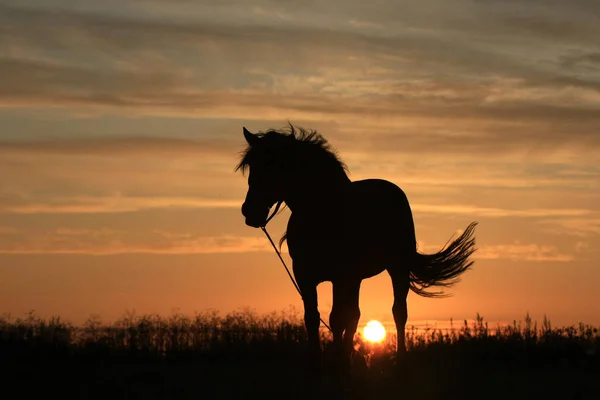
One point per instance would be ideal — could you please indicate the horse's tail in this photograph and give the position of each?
(443, 268)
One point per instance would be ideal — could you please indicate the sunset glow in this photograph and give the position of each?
(374, 331)
(122, 124)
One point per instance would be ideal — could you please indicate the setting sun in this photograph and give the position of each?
(374, 331)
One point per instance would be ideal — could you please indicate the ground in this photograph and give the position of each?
(185, 379)
(244, 356)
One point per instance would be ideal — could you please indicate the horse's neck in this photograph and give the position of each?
(311, 198)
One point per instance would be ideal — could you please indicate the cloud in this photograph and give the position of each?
(447, 99)
(475, 211)
(587, 61)
(582, 227)
(8, 230)
(95, 233)
(115, 204)
(185, 99)
(522, 252)
(121, 146)
(106, 241)
(581, 246)
(338, 69)
(514, 252)
(455, 82)
(111, 173)
(123, 203)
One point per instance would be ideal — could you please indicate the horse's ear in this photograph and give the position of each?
(250, 137)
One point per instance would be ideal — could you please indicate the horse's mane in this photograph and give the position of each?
(290, 141)
(310, 143)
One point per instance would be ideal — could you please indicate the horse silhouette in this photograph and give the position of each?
(342, 231)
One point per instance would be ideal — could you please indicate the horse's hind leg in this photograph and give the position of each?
(344, 317)
(401, 284)
(312, 320)
(353, 315)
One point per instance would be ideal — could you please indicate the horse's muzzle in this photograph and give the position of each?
(255, 223)
(255, 216)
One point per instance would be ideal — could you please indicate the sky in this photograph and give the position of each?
(122, 124)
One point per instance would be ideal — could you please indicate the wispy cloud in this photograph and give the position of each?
(121, 123)
(572, 226)
(115, 204)
(491, 76)
(522, 252)
(121, 147)
(458, 209)
(8, 230)
(123, 203)
(106, 241)
(431, 95)
(531, 252)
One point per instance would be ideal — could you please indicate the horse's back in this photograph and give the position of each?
(380, 209)
(369, 226)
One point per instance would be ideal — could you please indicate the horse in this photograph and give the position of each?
(342, 231)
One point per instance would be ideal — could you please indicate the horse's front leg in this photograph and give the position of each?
(401, 285)
(312, 320)
(344, 318)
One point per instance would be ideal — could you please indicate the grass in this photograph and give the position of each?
(241, 354)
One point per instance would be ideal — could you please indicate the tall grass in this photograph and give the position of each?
(244, 334)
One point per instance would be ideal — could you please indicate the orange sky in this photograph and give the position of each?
(122, 122)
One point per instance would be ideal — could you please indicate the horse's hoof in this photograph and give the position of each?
(360, 364)
(313, 376)
(401, 370)
(313, 367)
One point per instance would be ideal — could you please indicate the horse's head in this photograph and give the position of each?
(266, 177)
(296, 166)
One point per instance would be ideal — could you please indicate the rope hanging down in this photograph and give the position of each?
(264, 229)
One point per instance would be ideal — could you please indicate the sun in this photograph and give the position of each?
(374, 331)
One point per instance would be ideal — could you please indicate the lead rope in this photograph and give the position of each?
(264, 229)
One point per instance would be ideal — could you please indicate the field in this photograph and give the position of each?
(244, 355)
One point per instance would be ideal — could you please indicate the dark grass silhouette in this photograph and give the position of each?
(342, 231)
(242, 355)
